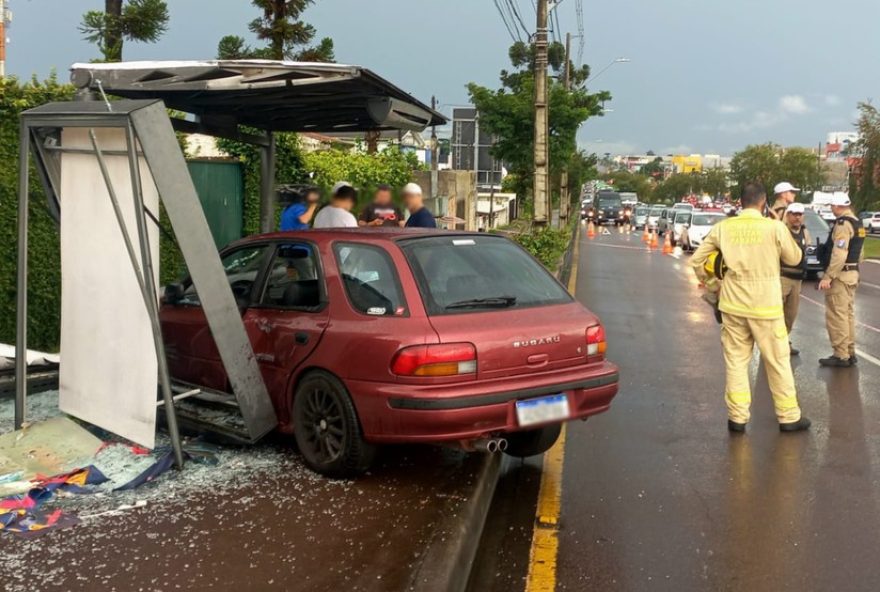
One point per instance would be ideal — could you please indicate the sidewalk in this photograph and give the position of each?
(261, 521)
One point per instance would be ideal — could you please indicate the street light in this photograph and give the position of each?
(603, 70)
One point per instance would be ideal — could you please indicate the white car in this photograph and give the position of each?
(679, 223)
(872, 224)
(654, 216)
(695, 232)
(826, 213)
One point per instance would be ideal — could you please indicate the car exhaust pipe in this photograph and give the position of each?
(491, 445)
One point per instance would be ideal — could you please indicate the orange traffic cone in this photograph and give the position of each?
(667, 244)
(646, 236)
(591, 231)
(654, 242)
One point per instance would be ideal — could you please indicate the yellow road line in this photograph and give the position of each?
(545, 538)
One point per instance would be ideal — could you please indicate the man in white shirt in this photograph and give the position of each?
(338, 213)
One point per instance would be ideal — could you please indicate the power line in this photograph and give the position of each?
(514, 6)
(513, 36)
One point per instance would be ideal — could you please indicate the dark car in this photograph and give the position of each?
(818, 229)
(608, 207)
(393, 336)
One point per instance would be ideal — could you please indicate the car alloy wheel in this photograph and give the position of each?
(327, 429)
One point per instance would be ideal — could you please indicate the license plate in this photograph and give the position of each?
(812, 261)
(542, 410)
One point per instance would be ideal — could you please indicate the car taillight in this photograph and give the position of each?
(445, 359)
(596, 344)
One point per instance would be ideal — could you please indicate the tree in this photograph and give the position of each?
(654, 168)
(864, 185)
(508, 113)
(286, 35)
(770, 164)
(135, 20)
(631, 182)
(676, 187)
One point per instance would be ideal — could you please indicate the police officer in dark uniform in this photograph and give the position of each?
(843, 253)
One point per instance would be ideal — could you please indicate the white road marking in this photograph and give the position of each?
(859, 352)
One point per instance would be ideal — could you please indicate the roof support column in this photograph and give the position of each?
(267, 185)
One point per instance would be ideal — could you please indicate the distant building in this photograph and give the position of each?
(686, 165)
(489, 170)
(838, 144)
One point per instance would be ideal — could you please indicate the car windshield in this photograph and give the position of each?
(467, 273)
(815, 224)
(641, 211)
(682, 218)
(656, 211)
(706, 219)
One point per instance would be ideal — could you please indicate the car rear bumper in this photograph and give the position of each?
(396, 413)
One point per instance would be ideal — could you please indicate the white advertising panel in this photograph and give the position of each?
(108, 373)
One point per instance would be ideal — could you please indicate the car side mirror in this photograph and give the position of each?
(173, 293)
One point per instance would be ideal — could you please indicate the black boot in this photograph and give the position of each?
(853, 360)
(733, 426)
(835, 362)
(794, 351)
(798, 426)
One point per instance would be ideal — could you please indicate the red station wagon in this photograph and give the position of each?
(367, 337)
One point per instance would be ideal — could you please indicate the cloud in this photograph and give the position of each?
(610, 146)
(794, 104)
(787, 106)
(727, 108)
(832, 100)
(680, 149)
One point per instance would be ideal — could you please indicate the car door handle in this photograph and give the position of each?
(301, 338)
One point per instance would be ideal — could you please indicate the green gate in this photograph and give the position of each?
(220, 185)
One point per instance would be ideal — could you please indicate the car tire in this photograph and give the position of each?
(532, 442)
(326, 427)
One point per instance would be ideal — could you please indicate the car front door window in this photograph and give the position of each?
(242, 268)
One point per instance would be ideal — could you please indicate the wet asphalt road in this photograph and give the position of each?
(658, 496)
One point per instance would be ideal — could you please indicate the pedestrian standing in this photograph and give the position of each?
(750, 302)
(299, 213)
(382, 211)
(338, 213)
(419, 215)
(793, 277)
(843, 253)
(785, 194)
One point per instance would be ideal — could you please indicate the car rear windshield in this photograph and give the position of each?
(460, 273)
(706, 219)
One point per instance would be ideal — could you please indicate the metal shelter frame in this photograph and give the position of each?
(149, 135)
(222, 96)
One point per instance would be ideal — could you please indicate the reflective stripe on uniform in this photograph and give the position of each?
(785, 402)
(740, 398)
(764, 312)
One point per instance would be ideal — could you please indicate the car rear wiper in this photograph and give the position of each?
(493, 302)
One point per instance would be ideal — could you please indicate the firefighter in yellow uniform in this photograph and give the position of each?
(843, 253)
(793, 277)
(784, 194)
(751, 307)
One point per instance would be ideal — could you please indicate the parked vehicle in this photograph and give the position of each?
(826, 214)
(679, 223)
(872, 224)
(640, 217)
(654, 215)
(393, 336)
(818, 229)
(700, 225)
(665, 220)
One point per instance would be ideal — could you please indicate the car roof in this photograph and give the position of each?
(372, 235)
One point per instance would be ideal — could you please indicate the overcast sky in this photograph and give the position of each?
(706, 76)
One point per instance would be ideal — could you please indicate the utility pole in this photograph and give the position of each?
(3, 17)
(541, 193)
(564, 197)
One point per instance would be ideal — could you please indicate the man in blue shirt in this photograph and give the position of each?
(419, 215)
(298, 214)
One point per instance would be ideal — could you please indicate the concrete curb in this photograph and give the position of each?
(447, 562)
(449, 557)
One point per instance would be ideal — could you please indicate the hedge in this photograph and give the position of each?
(44, 277)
